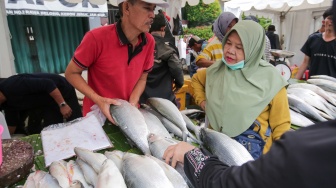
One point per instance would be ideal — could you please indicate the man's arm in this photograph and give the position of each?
(138, 89)
(303, 67)
(73, 74)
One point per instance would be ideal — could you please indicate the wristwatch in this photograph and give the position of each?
(62, 104)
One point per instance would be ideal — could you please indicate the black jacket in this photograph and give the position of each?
(167, 70)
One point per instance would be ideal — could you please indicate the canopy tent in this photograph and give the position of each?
(294, 20)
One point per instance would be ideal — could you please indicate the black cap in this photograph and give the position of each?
(327, 13)
(194, 39)
(251, 17)
(158, 22)
(271, 28)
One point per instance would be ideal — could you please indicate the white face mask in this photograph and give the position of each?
(235, 66)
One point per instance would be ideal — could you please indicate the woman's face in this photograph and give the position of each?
(233, 49)
(233, 22)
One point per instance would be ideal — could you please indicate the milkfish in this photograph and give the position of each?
(191, 126)
(58, 169)
(302, 107)
(95, 160)
(326, 85)
(131, 123)
(325, 77)
(158, 146)
(314, 100)
(75, 173)
(175, 177)
(110, 176)
(89, 173)
(299, 120)
(116, 156)
(140, 171)
(227, 149)
(170, 126)
(154, 125)
(316, 89)
(171, 112)
(45, 180)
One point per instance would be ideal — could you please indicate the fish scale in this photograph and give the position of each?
(131, 123)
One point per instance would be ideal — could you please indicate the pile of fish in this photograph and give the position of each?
(152, 128)
(111, 169)
(312, 102)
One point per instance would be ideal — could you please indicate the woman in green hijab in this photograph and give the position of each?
(242, 94)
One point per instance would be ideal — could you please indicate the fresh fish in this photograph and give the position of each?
(154, 125)
(45, 180)
(315, 89)
(333, 95)
(140, 171)
(191, 126)
(30, 183)
(169, 111)
(95, 160)
(158, 146)
(116, 156)
(110, 176)
(305, 109)
(59, 171)
(325, 77)
(89, 173)
(76, 184)
(192, 112)
(175, 178)
(131, 123)
(299, 120)
(326, 85)
(314, 100)
(75, 173)
(227, 149)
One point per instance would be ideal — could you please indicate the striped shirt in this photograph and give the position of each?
(213, 51)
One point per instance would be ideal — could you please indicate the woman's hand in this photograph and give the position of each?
(202, 105)
(176, 153)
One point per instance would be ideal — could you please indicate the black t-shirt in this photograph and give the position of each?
(322, 55)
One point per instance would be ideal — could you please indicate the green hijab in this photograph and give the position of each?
(235, 98)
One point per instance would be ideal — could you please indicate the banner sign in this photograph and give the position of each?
(55, 8)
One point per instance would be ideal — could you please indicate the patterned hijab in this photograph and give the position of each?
(221, 24)
(235, 98)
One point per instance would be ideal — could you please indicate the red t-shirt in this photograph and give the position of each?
(113, 67)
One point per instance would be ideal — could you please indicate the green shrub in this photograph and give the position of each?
(204, 32)
(202, 14)
(264, 22)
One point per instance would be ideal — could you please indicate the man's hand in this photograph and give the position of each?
(104, 106)
(66, 111)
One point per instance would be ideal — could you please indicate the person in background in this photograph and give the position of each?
(242, 94)
(267, 54)
(46, 98)
(197, 45)
(213, 51)
(167, 67)
(322, 29)
(118, 58)
(334, 14)
(302, 158)
(274, 38)
(320, 51)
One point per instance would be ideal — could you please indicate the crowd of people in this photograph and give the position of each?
(241, 93)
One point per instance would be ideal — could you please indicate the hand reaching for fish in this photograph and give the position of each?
(66, 111)
(104, 105)
(175, 153)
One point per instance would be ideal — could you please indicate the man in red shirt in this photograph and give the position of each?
(118, 57)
